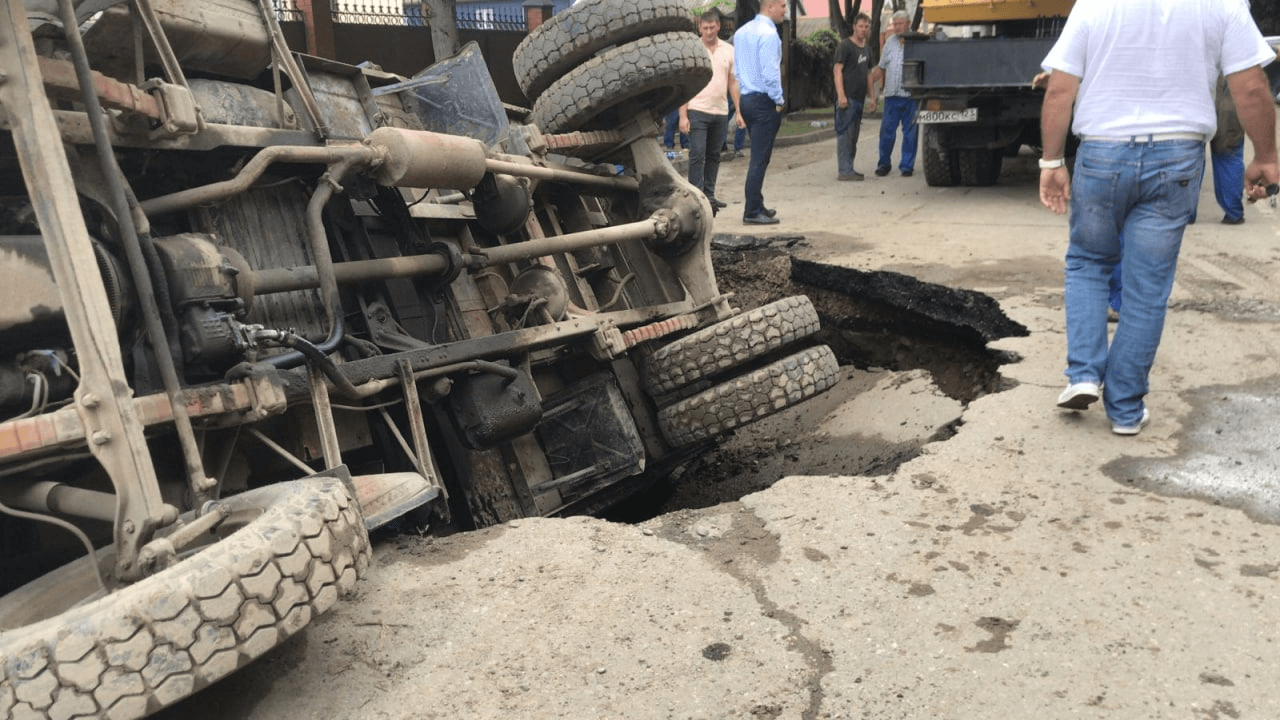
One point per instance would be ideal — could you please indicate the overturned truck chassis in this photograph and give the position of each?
(227, 265)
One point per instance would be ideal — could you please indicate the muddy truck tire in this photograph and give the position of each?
(573, 36)
(979, 167)
(731, 343)
(752, 396)
(941, 166)
(655, 74)
(296, 547)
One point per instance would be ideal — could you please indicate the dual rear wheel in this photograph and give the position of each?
(600, 63)
(739, 370)
(945, 166)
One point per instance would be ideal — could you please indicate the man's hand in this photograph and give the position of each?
(842, 103)
(869, 105)
(684, 124)
(742, 122)
(1257, 177)
(1055, 189)
(1055, 119)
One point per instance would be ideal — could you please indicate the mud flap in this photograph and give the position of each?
(387, 496)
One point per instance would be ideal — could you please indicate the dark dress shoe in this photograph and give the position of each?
(906, 173)
(717, 204)
(882, 171)
(769, 212)
(1233, 221)
(761, 219)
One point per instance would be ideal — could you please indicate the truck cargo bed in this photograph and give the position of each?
(973, 62)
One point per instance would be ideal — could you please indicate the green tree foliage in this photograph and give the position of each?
(810, 80)
(822, 40)
(726, 7)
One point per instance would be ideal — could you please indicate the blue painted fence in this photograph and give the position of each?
(486, 15)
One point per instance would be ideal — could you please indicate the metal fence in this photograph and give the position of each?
(400, 12)
(287, 11)
(490, 18)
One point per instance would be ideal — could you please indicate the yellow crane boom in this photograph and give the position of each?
(977, 12)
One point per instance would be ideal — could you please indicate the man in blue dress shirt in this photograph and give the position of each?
(759, 72)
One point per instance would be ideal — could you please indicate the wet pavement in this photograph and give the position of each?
(1230, 455)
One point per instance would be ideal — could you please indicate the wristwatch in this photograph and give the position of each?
(1051, 164)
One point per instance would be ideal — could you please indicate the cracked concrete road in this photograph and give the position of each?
(1033, 565)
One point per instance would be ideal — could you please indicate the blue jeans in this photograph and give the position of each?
(848, 127)
(706, 135)
(1147, 192)
(1228, 180)
(898, 111)
(1228, 188)
(1116, 298)
(673, 124)
(763, 121)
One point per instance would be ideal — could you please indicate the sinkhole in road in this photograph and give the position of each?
(912, 355)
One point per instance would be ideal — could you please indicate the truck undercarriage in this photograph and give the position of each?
(258, 303)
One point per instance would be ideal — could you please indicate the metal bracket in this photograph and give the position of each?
(418, 428)
(325, 425)
(266, 388)
(607, 343)
(693, 263)
(179, 114)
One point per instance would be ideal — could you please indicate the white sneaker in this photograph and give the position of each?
(1078, 396)
(1132, 429)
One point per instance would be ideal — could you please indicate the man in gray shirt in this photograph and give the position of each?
(899, 108)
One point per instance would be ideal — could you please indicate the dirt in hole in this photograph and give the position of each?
(883, 320)
(913, 355)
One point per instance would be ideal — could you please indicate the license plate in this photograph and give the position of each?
(926, 117)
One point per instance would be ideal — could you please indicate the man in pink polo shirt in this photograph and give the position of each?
(704, 118)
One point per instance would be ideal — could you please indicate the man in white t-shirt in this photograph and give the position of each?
(1140, 74)
(705, 117)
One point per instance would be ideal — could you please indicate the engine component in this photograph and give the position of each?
(491, 409)
(501, 203)
(210, 287)
(544, 283)
(200, 271)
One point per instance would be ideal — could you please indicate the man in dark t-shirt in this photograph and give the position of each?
(851, 71)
